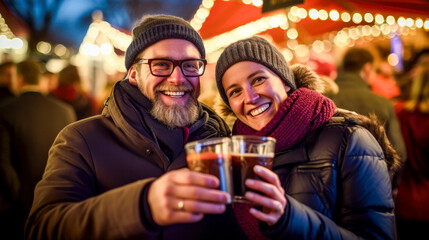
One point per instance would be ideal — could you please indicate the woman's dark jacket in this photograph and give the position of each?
(96, 177)
(337, 179)
(337, 186)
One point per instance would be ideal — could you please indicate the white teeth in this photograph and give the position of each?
(259, 110)
(174, 94)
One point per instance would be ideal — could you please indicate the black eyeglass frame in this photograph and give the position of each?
(175, 63)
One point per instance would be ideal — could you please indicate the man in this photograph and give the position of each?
(115, 175)
(7, 78)
(29, 124)
(355, 94)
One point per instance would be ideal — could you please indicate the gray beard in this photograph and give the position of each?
(175, 116)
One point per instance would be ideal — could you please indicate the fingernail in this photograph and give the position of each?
(249, 194)
(212, 183)
(221, 208)
(228, 198)
(250, 182)
(258, 168)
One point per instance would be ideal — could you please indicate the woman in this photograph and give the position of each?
(330, 178)
(413, 189)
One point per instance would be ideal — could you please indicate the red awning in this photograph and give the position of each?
(227, 15)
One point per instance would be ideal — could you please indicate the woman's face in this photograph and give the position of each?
(254, 93)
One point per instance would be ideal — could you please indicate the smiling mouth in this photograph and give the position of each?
(259, 110)
(174, 94)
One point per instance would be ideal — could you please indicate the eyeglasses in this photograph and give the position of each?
(165, 67)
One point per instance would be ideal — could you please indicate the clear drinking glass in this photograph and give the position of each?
(212, 156)
(248, 151)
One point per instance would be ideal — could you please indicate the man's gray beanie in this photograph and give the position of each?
(255, 49)
(154, 28)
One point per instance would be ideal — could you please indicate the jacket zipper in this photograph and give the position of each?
(316, 165)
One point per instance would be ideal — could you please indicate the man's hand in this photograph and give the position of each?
(183, 196)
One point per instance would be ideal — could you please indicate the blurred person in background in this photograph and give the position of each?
(29, 124)
(7, 79)
(417, 63)
(70, 90)
(323, 64)
(111, 81)
(330, 176)
(355, 94)
(50, 81)
(412, 200)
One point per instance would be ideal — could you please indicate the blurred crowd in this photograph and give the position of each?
(36, 104)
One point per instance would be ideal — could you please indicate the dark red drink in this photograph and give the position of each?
(242, 169)
(215, 164)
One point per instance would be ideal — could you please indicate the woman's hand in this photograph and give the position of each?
(268, 193)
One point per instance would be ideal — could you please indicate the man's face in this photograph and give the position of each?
(174, 98)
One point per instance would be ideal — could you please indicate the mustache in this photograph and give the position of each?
(185, 87)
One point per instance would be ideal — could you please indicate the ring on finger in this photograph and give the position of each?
(181, 205)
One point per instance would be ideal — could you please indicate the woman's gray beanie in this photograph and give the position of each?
(255, 49)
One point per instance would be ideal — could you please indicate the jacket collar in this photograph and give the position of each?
(351, 79)
(132, 138)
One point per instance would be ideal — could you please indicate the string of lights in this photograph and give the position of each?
(101, 38)
(369, 26)
(8, 40)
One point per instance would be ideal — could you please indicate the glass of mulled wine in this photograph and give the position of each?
(212, 156)
(248, 151)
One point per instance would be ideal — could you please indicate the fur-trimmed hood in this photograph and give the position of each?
(306, 78)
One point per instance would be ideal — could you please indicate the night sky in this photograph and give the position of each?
(71, 18)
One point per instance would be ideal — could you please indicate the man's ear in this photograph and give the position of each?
(366, 72)
(18, 84)
(367, 67)
(132, 76)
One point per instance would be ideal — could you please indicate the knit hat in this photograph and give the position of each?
(154, 28)
(255, 49)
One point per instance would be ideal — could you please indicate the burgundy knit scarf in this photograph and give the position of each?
(303, 111)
